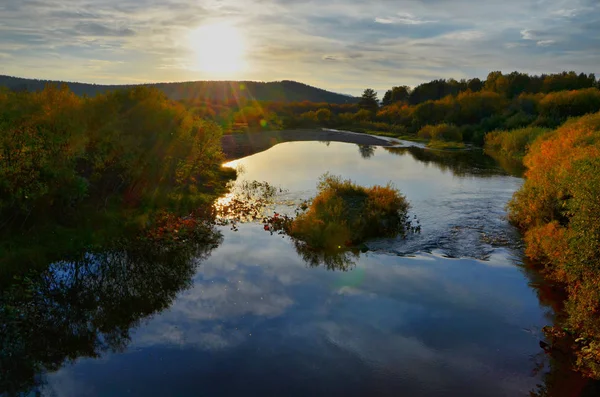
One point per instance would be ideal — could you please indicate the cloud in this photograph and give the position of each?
(545, 43)
(402, 18)
(566, 13)
(527, 34)
(384, 315)
(343, 45)
(466, 35)
(99, 30)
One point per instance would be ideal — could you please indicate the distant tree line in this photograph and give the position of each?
(467, 109)
(509, 85)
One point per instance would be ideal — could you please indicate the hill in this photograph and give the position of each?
(284, 91)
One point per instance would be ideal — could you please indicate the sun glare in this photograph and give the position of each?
(217, 49)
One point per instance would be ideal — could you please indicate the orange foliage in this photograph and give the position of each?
(549, 162)
(548, 244)
(559, 209)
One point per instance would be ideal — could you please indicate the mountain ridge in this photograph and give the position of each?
(284, 90)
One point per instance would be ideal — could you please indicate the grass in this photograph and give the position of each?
(382, 133)
(344, 214)
(443, 145)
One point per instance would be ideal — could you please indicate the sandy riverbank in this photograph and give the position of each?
(240, 145)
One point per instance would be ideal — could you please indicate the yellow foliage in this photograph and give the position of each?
(343, 214)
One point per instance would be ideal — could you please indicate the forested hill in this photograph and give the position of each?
(285, 91)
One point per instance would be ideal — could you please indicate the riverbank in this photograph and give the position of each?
(240, 145)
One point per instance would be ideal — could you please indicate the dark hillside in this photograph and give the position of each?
(284, 91)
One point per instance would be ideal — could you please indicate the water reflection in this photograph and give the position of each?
(461, 208)
(555, 361)
(265, 316)
(366, 151)
(334, 260)
(87, 305)
(257, 314)
(460, 162)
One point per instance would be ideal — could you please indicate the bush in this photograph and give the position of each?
(42, 137)
(441, 145)
(564, 104)
(512, 144)
(518, 120)
(345, 214)
(441, 132)
(558, 208)
(57, 149)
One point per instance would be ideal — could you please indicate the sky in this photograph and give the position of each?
(344, 46)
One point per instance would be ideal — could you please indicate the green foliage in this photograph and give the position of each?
(442, 145)
(441, 132)
(41, 140)
(396, 94)
(515, 83)
(512, 144)
(438, 89)
(323, 115)
(58, 150)
(369, 100)
(518, 120)
(345, 214)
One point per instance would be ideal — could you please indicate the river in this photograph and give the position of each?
(448, 311)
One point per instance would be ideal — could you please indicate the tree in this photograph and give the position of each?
(369, 100)
(396, 94)
(323, 115)
(475, 85)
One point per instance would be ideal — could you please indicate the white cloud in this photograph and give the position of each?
(403, 19)
(466, 35)
(545, 43)
(385, 21)
(567, 13)
(527, 34)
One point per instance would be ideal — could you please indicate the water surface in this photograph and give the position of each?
(442, 313)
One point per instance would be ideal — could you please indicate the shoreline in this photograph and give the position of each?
(238, 145)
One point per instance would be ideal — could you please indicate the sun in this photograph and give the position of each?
(218, 49)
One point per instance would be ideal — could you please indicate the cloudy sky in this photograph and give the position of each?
(341, 45)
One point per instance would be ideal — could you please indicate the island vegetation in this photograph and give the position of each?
(344, 214)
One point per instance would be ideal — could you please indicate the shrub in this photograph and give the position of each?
(323, 115)
(564, 104)
(441, 132)
(558, 207)
(135, 145)
(512, 144)
(344, 214)
(518, 120)
(441, 145)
